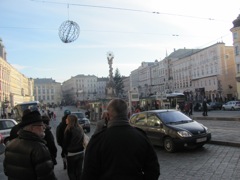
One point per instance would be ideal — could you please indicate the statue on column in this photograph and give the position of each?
(110, 92)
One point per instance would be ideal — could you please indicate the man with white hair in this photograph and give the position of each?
(27, 156)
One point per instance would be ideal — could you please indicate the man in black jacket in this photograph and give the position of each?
(120, 151)
(49, 138)
(27, 156)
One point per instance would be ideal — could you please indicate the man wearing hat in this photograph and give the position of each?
(60, 135)
(27, 156)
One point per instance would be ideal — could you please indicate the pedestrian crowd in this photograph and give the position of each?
(116, 150)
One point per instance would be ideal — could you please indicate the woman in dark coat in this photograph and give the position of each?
(73, 147)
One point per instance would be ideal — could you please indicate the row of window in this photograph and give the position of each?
(45, 98)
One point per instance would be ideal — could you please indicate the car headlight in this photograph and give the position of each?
(184, 134)
(207, 130)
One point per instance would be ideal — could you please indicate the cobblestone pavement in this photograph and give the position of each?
(212, 162)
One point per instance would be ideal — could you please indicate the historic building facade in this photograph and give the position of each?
(47, 91)
(236, 43)
(80, 88)
(14, 86)
(198, 73)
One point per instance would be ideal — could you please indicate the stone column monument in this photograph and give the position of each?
(110, 92)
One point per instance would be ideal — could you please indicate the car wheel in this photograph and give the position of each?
(223, 108)
(232, 109)
(169, 145)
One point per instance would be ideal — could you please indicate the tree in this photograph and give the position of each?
(118, 81)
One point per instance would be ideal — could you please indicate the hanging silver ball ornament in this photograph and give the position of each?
(69, 31)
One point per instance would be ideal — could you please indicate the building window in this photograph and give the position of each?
(235, 35)
(236, 50)
(238, 68)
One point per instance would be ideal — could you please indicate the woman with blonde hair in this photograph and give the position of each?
(73, 147)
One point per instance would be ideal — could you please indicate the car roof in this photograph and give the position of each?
(157, 111)
(9, 120)
(233, 101)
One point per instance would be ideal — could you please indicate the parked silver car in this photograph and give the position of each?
(2, 145)
(5, 128)
(231, 105)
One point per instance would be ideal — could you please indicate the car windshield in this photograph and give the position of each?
(173, 117)
(83, 121)
(5, 124)
(79, 115)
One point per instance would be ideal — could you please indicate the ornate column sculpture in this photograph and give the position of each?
(110, 85)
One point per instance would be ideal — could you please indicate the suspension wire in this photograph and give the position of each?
(68, 10)
(128, 9)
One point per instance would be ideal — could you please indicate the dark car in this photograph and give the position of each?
(216, 105)
(83, 121)
(171, 129)
(199, 107)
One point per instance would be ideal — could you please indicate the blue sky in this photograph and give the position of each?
(29, 30)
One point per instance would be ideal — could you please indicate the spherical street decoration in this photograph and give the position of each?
(68, 31)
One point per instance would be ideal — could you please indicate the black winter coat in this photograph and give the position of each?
(60, 133)
(121, 153)
(27, 157)
(49, 138)
(73, 140)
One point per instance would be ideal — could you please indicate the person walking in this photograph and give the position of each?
(27, 156)
(190, 108)
(120, 151)
(186, 108)
(73, 147)
(205, 107)
(49, 138)
(60, 135)
(87, 114)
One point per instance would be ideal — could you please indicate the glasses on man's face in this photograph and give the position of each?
(38, 125)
